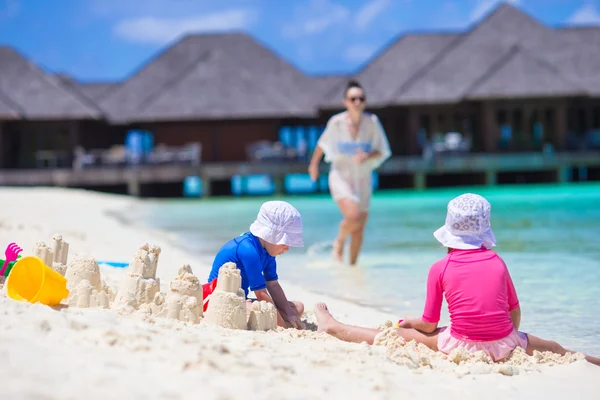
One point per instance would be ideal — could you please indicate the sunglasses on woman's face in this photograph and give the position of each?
(361, 99)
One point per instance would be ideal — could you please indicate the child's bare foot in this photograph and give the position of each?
(338, 249)
(325, 321)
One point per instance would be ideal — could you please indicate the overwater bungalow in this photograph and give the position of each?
(508, 100)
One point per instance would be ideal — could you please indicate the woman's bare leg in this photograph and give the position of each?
(356, 238)
(536, 343)
(350, 223)
(356, 334)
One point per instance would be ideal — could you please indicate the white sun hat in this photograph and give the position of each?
(278, 222)
(467, 224)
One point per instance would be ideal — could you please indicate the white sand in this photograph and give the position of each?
(97, 353)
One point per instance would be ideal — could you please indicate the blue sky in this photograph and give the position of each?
(97, 40)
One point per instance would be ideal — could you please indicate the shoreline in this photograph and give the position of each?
(171, 238)
(400, 309)
(172, 256)
(73, 353)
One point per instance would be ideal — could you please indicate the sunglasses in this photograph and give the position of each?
(361, 99)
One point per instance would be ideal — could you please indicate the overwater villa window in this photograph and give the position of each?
(572, 121)
(441, 124)
(425, 125)
(536, 129)
(504, 128)
(521, 138)
(43, 145)
(596, 118)
(577, 121)
(470, 124)
(458, 124)
(550, 126)
(501, 117)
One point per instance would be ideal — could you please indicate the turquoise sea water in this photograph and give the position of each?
(549, 235)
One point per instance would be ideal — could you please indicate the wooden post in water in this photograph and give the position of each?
(206, 185)
(420, 181)
(133, 186)
(491, 178)
(564, 174)
(244, 185)
(279, 181)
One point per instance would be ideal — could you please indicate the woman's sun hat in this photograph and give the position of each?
(467, 224)
(278, 222)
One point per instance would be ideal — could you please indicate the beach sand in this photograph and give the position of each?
(70, 352)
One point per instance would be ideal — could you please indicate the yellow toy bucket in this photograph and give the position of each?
(32, 280)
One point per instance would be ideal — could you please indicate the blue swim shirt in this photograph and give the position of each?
(256, 265)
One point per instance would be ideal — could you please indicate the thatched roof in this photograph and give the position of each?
(233, 76)
(38, 95)
(213, 77)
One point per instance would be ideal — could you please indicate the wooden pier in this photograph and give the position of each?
(487, 166)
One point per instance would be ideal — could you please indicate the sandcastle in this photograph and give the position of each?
(86, 288)
(184, 300)
(227, 305)
(139, 290)
(263, 316)
(56, 256)
(140, 285)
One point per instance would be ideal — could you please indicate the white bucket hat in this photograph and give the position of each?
(278, 222)
(467, 224)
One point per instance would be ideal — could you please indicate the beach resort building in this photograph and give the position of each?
(508, 100)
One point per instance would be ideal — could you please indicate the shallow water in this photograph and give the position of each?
(547, 234)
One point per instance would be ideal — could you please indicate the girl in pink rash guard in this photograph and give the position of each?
(482, 300)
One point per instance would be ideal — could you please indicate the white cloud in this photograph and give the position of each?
(315, 18)
(485, 6)
(369, 12)
(319, 15)
(359, 52)
(585, 15)
(157, 8)
(9, 9)
(155, 30)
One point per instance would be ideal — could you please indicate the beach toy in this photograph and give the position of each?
(9, 267)
(33, 281)
(11, 253)
(114, 264)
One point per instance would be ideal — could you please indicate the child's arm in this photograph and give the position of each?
(419, 324)
(513, 301)
(515, 315)
(283, 305)
(278, 298)
(428, 323)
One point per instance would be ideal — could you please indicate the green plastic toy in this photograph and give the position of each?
(10, 265)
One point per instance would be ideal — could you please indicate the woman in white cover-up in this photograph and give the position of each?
(355, 144)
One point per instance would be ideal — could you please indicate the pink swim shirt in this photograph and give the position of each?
(479, 292)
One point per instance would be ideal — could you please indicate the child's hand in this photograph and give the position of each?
(407, 324)
(293, 321)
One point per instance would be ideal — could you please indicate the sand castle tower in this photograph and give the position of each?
(263, 316)
(55, 256)
(86, 288)
(184, 300)
(140, 285)
(227, 305)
